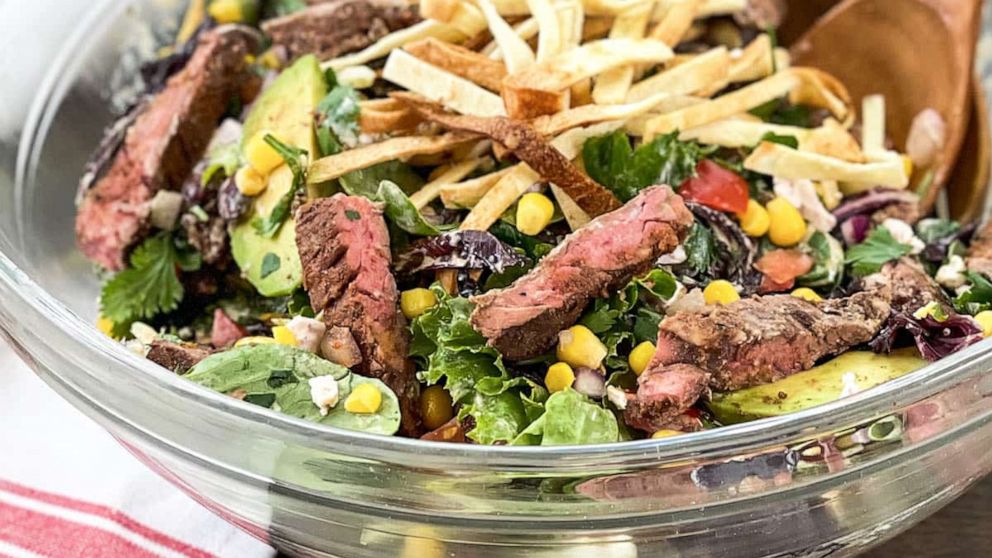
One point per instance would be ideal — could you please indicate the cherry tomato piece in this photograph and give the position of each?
(716, 187)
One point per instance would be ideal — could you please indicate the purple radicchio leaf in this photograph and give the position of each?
(458, 250)
(934, 339)
(855, 230)
(739, 251)
(936, 251)
(872, 201)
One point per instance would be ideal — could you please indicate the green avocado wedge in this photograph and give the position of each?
(819, 385)
(285, 109)
(277, 377)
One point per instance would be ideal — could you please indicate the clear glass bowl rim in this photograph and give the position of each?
(818, 421)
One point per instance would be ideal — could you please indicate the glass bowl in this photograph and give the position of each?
(833, 480)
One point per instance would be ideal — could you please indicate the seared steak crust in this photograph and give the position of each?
(908, 284)
(344, 249)
(763, 339)
(523, 320)
(330, 29)
(168, 137)
(178, 357)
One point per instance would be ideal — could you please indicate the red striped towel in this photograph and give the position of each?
(67, 489)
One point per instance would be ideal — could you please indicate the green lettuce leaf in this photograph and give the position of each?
(571, 418)
(614, 163)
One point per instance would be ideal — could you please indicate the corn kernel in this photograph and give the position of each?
(786, 225)
(907, 165)
(579, 347)
(270, 60)
(435, 407)
(559, 377)
(807, 294)
(365, 399)
(720, 292)
(249, 341)
(984, 320)
(829, 193)
(261, 156)
(226, 11)
(284, 336)
(640, 357)
(534, 213)
(106, 326)
(249, 182)
(665, 434)
(415, 302)
(754, 221)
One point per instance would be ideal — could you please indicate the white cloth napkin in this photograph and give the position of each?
(67, 488)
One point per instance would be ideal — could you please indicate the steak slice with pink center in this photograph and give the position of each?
(523, 320)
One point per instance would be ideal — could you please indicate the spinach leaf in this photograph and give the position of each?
(700, 249)
(977, 298)
(878, 249)
(828, 254)
(571, 418)
(365, 182)
(781, 111)
(788, 141)
(611, 161)
(398, 207)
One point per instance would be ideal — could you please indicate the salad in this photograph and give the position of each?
(529, 223)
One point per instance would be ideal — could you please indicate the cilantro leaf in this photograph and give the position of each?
(337, 120)
(269, 225)
(611, 161)
(877, 250)
(149, 287)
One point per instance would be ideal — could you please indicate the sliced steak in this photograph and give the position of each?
(762, 339)
(178, 357)
(979, 257)
(330, 29)
(167, 137)
(344, 249)
(909, 286)
(663, 394)
(523, 320)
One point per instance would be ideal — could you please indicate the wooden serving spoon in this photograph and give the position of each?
(917, 53)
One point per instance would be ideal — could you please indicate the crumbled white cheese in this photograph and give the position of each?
(324, 393)
(359, 77)
(802, 194)
(675, 257)
(617, 397)
(850, 382)
(164, 209)
(903, 233)
(143, 333)
(951, 274)
(692, 302)
(308, 332)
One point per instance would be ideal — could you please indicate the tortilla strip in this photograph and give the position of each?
(459, 14)
(375, 117)
(516, 52)
(636, 125)
(612, 86)
(724, 106)
(333, 166)
(549, 40)
(529, 146)
(527, 29)
(873, 127)
(395, 40)
(699, 73)
(784, 162)
(436, 84)
(543, 88)
(615, 7)
(676, 22)
(466, 194)
(574, 216)
(500, 197)
(451, 174)
(555, 124)
(820, 89)
(831, 139)
(471, 65)
(752, 63)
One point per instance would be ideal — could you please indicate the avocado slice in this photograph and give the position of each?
(821, 384)
(285, 108)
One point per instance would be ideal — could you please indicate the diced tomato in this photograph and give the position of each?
(768, 285)
(783, 266)
(716, 187)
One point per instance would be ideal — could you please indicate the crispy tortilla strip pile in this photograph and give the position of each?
(536, 78)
